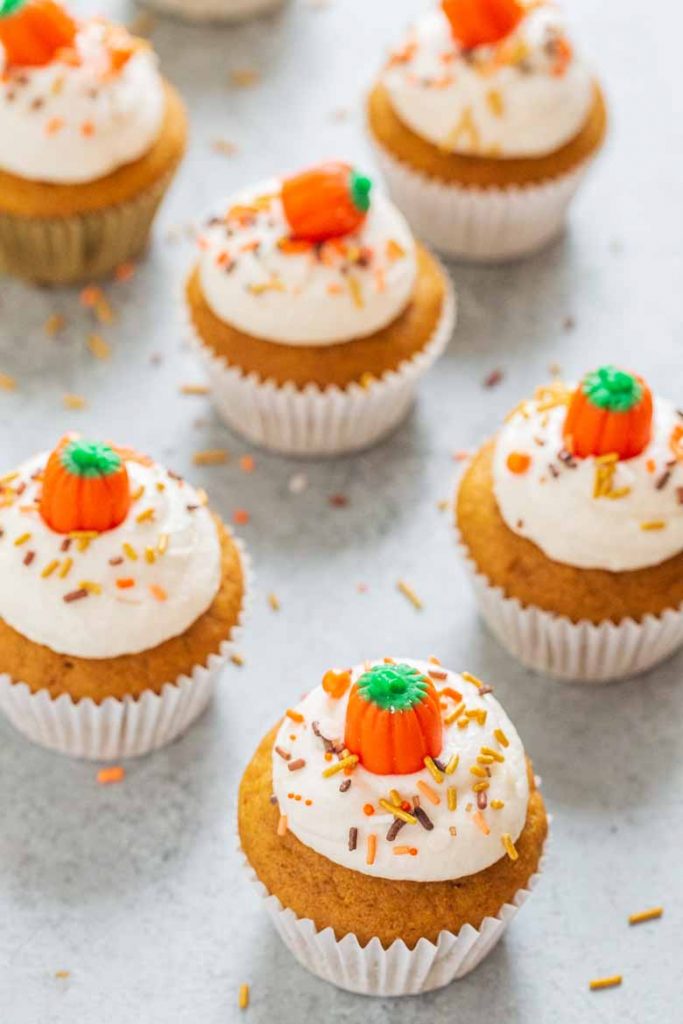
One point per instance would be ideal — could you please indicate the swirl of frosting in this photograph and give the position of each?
(119, 592)
(592, 513)
(259, 279)
(525, 96)
(81, 116)
(459, 831)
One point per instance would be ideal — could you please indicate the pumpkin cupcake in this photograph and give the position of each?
(571, 522)
(316, 312)
(94, 136)
(393, 823)
(120, 594)
(215, 10)
(485, 121)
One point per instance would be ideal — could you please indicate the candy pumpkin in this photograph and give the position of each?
(482, 22)
(393, 720)
(85, 487)
(327, 201)
(33, 31)
(609, 413)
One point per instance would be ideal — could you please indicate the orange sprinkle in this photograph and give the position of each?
(428, 792)
(158, 592)
(282, 825)
(124, 272)
(372, 849)
(368, 810)
(247, 464)
(90, 296)
(108, 776)
(87, 129)
(54, 125)
(125, 582)
(501, 737)
(241, 517)
(410, 850)
(518, 462)
(296, 716)
(480, 822)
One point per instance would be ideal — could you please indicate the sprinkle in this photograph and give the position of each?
(653, 524)
(90, 587)
(338, 501)
(90, 296)
(75, 595)
(424, 819)
(54, 324)
(98, 346)
(284, 754)
(501, 737)
(394, 251)
(129, 551)
(646, 915)
(435, 773)
(241, 517)
(452, 764)
(66, 568)
(108, 776)
(394, 829)
(282, 825)
(452, 797)
(74, 402)
(408, 592)
(345, 786)
(480, 787)
(368, 810)
(210, 457)
(274, 602)
(410, 850)
(157, 592)
(162, 544)
(247, 463)
(28, 557)
(469, 678)
(478, 715)
(497, 805)
(495, 102)
(485, 759)
(243, 997)
(395, 797)
(480, 822)
(495, 754)
(62, 975)
(295, 766)
(345, 762)
(150, 555)
(454, 714)
(371, 849)
(295, 716)
(22, 539)
(50, 568)
(428, 792)
(409, 819)
(237, 659)
(353, 838)
(244, 78)
(510, 848)
(599, 983)
(54, 125)
(125, 583)
(476, 769)
(145, 516)
(7, 383)
(124, 272)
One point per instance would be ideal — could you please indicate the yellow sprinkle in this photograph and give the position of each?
(54, 324)
(398, 812)
(98, 346)
(463, 723)
(243, 78)
(74, 401)
(92, 588)
(129, 551)
(346, 762)
(211, 457)
(495, 102)
(433, 770)
(454, 714)
(497, 805)
(452, 764)
(282, 825)
(83, 534)
(452, 795)
(395, 797)
(194, 389)
(479, 787)
(274, 602)
(66, 568)
(475, 769)
(9, 477)
(485, 759)
(366, 379)
(162, 544)
(495, 754)
(237, 659)
(654, 524)
(145, 516)
(137, 493)
(407, 591)
(646, 915)
(356, 291)
(7, 383)
(83, 543)
(50, 568)
(22, 539)
(150, 555)
(611, 982)
(501, 737)
(478, 715)
(468, 677)
(243, 998)
(428, 792)
(510, 848)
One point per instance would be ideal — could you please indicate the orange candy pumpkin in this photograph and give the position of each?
(327, 201)
(393, 720)
(33, 31)
(85, 487)
(482, 22)
(609, 413)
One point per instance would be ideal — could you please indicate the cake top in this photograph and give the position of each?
(402, 769)
(78, 99)
(491, 78)
(317, 258)
(103, 552)
(605, 457)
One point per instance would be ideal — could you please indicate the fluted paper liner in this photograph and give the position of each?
(491, 224)
(311, 421)
(117, 729)
(372, 970)
(584, 652)
(214, 10)
(67, 250)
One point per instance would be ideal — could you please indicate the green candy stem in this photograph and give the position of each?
(393, 687)
(8, 7)
(90, 459)
(360, 188)
(612, 389)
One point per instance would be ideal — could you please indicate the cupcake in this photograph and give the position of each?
(485, 122)
(215, 10)
(571, 522)
(315, 312)
(120, 593)
(93, 138)
(393, 824)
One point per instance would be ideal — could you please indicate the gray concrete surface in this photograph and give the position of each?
(137, 890)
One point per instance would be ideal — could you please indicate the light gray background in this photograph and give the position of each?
(137, 889)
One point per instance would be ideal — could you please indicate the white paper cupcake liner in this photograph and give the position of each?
(480, 224)
(117, 729)
(311, 421)
(580, 651)
(214, 10)
(372, 970)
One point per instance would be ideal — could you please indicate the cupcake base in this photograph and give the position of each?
(312, 421)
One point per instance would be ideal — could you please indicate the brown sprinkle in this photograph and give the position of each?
(76, 595)
(295, 766)
(353, 838)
